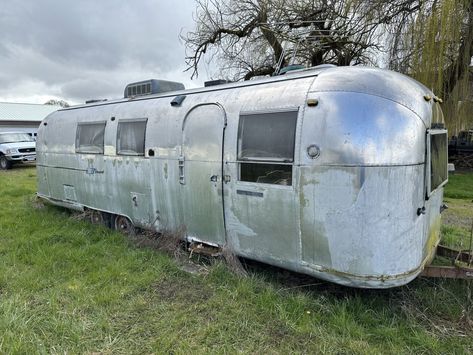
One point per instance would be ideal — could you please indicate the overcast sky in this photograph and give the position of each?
(79, 50)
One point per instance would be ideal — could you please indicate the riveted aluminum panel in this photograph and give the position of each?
(377, 82)
(350, 214)
(352, 128)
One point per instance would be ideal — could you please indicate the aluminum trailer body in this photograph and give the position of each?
(332, 172)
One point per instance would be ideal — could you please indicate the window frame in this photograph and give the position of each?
(430, 133)
(90, 123)
(117, 141)
(266, 160)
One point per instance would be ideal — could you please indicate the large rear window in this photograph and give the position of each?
(438, 159)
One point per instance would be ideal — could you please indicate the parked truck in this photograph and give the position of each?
(16, 147)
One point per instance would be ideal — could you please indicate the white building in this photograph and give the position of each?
(23, 117)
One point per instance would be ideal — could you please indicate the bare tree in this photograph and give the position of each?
(431, 40)
(249, 37)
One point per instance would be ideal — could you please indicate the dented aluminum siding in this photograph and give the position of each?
(350, 215)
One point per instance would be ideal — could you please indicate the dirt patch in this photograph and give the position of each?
(170, 242)
(36, 202)
(278, 334)
(183, 290)
(191, 267)
(459, 214)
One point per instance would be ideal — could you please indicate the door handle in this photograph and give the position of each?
(214, 178)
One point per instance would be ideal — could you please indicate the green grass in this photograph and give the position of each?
(460, 185)
(458, 219)
(67, 286)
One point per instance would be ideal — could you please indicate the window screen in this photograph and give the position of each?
(89, 137)
(266, 147)
(438, 160)
(131, 137)
(267, 136)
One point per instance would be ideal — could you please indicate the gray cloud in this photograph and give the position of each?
(78, 50)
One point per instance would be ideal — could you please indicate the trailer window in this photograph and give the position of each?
(131, 137)
(266, 147)
(438, 160)
(89, 137)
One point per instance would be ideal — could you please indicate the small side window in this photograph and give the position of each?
(266, 147)
(89, 137)
(131, 137)
(438, 159)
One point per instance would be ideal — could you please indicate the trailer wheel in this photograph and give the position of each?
(5, 164)
(124, 225)
(96, 217)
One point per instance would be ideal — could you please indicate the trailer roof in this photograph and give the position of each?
(369, 80)
(296, 74)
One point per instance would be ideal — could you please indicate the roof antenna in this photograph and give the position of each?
(280, 60)
(294, 51)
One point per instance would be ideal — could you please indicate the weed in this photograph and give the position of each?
(68, 286)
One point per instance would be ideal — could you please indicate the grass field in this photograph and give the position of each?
(67, 286)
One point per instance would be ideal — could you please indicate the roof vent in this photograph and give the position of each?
(151, 86)
(92, 101)
(216, 82)
(289, 68)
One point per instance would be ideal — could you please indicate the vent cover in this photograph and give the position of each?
(152, 86)
(216, 82)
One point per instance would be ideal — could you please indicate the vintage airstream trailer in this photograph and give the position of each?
(335, 172)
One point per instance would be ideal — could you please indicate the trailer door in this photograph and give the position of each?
(260, 210)
(200, 173)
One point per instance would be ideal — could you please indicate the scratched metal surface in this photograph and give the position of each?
(349, 215)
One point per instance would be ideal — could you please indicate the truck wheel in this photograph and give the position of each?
(124, 225)
(4, 163)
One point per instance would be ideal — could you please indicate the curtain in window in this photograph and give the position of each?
(90, 138)
(131, 138)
